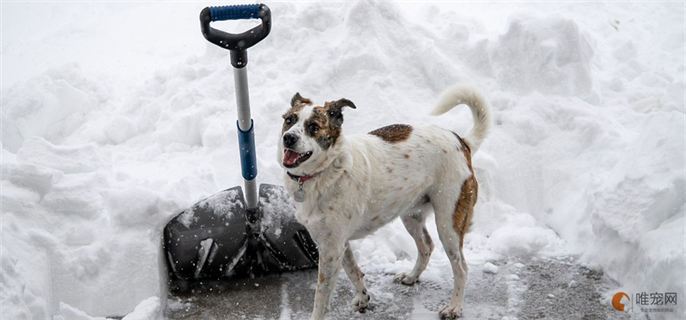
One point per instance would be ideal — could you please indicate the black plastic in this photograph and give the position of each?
(236, 43)
(289, 245)
(242, 242)
(221, 217)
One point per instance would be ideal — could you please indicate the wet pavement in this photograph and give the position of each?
(535, 289)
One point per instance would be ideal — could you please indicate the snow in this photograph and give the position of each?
(490, 268)
(110, 128)
(68, 312)
(278, 208)
(224, 204)
(148, 309)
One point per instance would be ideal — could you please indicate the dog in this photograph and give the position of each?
(349, 186)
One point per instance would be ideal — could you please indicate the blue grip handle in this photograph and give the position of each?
(235, 12)
(246, 142)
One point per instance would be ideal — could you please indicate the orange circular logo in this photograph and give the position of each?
(617, 301)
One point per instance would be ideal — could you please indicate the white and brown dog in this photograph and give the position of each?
(349, 186)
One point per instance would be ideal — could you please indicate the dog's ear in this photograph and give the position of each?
(298, 100)
(340, 103)
(335, 108)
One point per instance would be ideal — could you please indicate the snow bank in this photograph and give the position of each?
(547, 55)
(101, 147)
(148, 309)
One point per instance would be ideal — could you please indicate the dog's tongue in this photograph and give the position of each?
(290, 157)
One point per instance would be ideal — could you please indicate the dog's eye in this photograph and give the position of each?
(313, 128)
(290, 120)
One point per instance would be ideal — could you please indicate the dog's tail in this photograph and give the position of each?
(462, 94)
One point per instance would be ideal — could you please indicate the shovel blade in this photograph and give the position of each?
(215, 240)
(287, 243)
(208, 239)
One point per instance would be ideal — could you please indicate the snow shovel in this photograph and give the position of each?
(237, 232)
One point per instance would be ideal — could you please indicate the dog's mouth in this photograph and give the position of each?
(292, 159)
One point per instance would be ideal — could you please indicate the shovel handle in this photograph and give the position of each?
(235, 12)
(236, 43)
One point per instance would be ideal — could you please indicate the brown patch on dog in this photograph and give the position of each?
(468, 195)
(463, 146)
(394, 133)
(290, 118)
(321, 278)
(465, 207)
(319, 127)
(407, 156)
(324, 125)
(466, 151)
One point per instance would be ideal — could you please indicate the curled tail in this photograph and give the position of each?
(462, 94)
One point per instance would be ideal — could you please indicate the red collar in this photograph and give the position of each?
(301, 179)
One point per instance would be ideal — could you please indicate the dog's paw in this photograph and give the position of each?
(450, 312)
(361, 302)
(405, 279)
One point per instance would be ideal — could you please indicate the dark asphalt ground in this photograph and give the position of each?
(534, 289)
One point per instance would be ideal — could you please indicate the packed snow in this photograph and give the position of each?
(490, 268)
(117, 116)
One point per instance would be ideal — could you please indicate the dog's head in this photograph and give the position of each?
(309, 133)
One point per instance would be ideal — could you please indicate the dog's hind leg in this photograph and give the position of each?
(454, 309)
(361, 300)
(414, 223)
(452, 221)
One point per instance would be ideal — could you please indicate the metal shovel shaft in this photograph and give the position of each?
(240, 77)
(246, 137)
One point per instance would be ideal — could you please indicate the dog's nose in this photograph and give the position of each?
(289, 140)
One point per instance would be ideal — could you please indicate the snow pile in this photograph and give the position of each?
(100, 148)
(547, 55)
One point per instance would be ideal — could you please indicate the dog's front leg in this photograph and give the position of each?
(361, 300)
(330, 256)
